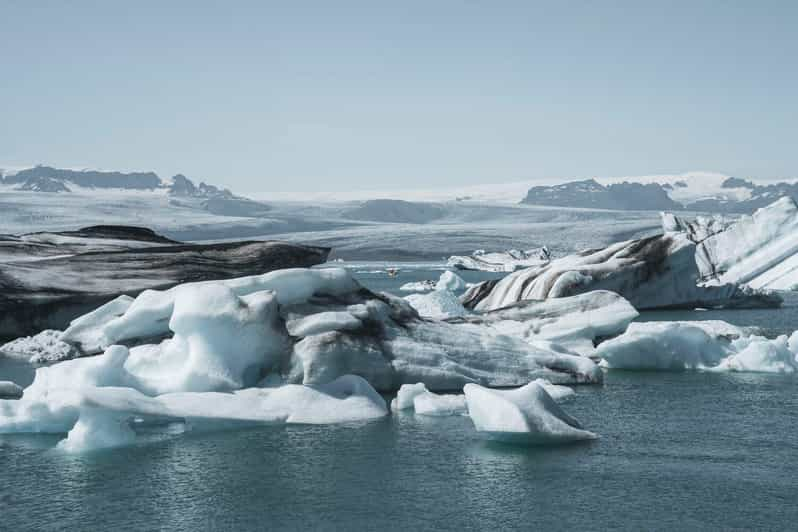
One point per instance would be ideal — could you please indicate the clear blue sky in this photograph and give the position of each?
(293, 96)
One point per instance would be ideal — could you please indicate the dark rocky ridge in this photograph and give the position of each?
(654, 196)
(592, 194)
(48, 279)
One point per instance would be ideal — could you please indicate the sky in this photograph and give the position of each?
(320, 96)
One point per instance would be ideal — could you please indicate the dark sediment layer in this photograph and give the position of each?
(48, 279)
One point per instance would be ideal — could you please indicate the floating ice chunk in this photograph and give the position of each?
(450, 281)
(758, 354)
(524, 415)
(669, 345)
(437, 304)
(10, 390)
(98, 428)
(708, 345)
(653, 272)
(44, 347)
(405, 396)
(432, 404)
(502, 261)
(97, 417)
(418, 286)
(425, 403)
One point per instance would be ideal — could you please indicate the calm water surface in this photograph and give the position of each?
(677, 451)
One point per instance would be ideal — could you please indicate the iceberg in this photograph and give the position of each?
(504, 261)
(698, 345)
(418, 286)
(760, 250)
(308, 326)
(450, 281)
(447, 281)
(577, 322)
(654, 272)
(439, 304)
(425, 403)
(524, 415)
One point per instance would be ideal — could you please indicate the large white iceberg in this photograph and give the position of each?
(704, 345)
(760, 250)
(523, 415)
(309, 348)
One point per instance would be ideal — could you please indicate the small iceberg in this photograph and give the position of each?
(527, 415)
(698, 345)
(416, 397)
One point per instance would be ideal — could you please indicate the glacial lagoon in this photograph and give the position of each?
(676, 450)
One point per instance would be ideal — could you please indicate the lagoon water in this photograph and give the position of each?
(685, 450)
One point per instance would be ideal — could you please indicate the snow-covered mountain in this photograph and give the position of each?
(182, 191)
(694, 191)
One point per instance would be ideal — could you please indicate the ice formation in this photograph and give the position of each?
(558, 392)
(653, 272)
(301, 346)
(707, 345)
(46, 346)
(505, 261)
(447, 281)
(425, 403)
(450, 281)
(418, 286)
(760, 250)
(437, 304)
(523, 415)
(576, 322)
